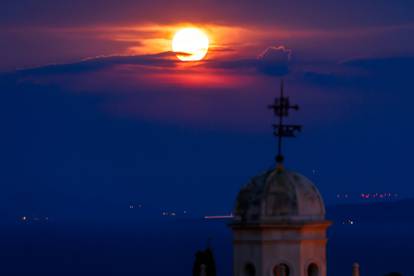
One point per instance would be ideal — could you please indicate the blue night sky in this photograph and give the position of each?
(97, 112)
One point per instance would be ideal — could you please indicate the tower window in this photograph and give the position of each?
(313, 270)
(281, 270)
(249, 270)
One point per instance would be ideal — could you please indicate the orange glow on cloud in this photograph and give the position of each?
(223, 40)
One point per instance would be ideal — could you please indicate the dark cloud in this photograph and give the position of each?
(148, 86)
(165, 60)
(274, 61)
(381, 74)
(391, 66)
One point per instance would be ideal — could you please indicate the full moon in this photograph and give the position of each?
(190, 44)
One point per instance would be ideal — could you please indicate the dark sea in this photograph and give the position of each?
(167, 247)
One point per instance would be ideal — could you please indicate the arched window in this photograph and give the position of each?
(249, 270)
(281, 270)
(313, 270)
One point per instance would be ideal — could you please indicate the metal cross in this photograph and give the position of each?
(281, 107)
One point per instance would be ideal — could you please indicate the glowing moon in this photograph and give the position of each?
(190, 44)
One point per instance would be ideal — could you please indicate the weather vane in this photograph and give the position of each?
(281, 107)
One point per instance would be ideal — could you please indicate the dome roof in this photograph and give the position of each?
(279, 196)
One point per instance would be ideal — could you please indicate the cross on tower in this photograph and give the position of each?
(281, 107)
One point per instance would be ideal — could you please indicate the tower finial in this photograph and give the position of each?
(281, 107)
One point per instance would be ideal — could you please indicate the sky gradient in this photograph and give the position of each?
(97, 111)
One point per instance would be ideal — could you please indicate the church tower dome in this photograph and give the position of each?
(279, 226)
(279, 196)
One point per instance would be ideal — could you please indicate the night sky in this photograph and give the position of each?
(96, 112)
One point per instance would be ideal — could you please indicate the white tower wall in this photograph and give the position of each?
(266, 247)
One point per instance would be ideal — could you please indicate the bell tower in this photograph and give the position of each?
(279, 226)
